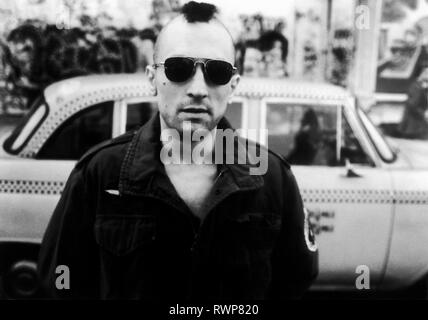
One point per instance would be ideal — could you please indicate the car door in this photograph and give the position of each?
(350, 208)
(408, 258)
(30, 188)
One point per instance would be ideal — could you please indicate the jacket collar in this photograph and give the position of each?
(142, 160)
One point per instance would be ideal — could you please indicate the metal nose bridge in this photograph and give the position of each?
(203, 63)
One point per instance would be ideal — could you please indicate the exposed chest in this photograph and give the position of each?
(193, 183)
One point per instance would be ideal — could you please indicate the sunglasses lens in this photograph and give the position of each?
(178, 69)
(219, 72)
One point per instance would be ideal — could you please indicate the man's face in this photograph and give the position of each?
(275, 54)
(253, 62)
(196, 40)
(22, 52)
(273, 58)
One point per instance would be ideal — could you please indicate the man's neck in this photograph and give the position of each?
(192, 181)
(207, 143)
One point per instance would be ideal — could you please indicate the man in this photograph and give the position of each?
(130, 225)
(275, 50)
(252, 59)
(25, 73)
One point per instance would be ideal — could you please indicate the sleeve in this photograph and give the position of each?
(69, 242)
(295, 257)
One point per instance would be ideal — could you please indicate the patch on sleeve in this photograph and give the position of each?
(309, 234)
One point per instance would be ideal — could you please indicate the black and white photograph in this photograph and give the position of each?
(213, 155)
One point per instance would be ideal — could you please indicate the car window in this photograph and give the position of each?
(351, 148)
(79, 133)
(16, 131)
(138, 114)
(306, 134)
(234, 114)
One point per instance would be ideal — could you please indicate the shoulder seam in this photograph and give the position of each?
(127, 137)
(281, 158)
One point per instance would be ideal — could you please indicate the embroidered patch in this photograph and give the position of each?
(309, 234)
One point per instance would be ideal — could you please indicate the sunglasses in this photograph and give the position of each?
(181, 69)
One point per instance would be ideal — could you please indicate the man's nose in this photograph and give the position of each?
(198, 87)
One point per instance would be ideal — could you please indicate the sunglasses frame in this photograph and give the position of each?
(196, 61)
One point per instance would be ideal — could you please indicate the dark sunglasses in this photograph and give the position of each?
(180, 69)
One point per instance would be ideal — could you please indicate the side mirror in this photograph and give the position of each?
(350, 172)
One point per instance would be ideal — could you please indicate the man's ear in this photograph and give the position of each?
(234, 83)
(150, 73)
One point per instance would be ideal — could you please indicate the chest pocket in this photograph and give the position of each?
(122, 234)
(257, 230)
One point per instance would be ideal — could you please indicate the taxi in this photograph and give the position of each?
(367, 204)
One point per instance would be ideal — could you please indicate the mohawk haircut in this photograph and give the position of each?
(194, 12)
(198, 11)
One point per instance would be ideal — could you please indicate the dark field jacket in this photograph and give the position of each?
(124, 233)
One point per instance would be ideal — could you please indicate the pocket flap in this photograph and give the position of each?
(257, 219)
(122, 234)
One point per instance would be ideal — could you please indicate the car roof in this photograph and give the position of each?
(98, 88)
(67, 97)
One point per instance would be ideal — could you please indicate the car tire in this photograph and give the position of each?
(18, 270)
(20, 281)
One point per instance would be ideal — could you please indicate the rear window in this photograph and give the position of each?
(138, 114)
(306, 134)
(24, 127)
(303, 134)
(79, 133)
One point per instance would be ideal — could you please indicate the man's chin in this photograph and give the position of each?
(192, 126)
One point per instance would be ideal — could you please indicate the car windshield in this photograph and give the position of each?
(17, 131)
(376, 137)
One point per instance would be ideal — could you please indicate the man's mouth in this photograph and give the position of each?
(197, 110)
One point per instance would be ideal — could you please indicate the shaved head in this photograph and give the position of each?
(195, 34)
(196, 14)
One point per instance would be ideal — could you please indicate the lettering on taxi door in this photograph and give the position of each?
(321, 220)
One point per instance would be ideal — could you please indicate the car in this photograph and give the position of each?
(367, 205)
